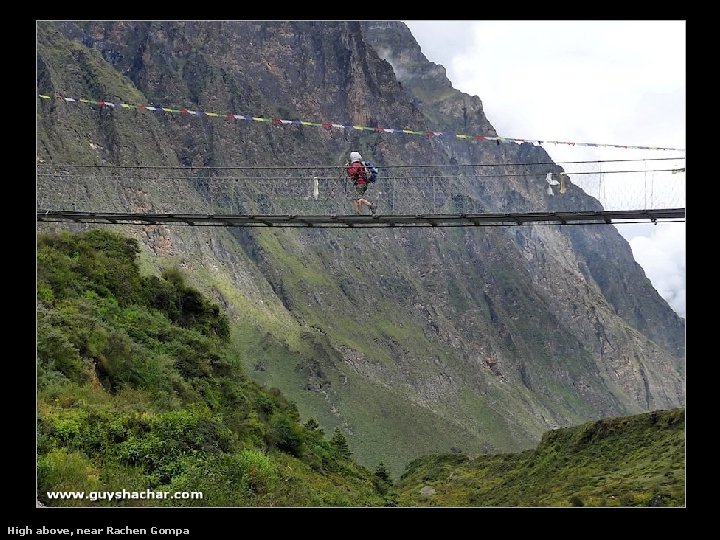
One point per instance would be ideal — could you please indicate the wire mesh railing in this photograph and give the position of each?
(400, 190)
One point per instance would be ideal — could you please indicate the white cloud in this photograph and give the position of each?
(615, 82)
(662, 256)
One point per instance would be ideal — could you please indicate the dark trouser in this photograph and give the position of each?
(360, 190)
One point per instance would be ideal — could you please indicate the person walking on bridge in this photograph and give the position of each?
(355, 169)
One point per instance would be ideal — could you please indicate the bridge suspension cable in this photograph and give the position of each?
(384, 167)
(306, 191)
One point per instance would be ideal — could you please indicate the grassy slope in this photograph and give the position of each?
(468, 419)
(137, 390)
(626, 461)
(371, 409)
(381, 423)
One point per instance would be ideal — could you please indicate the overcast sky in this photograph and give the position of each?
(615, 82)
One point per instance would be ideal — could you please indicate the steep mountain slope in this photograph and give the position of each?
(628, 461)
(431, 90)
(444, 107)
(411, 341)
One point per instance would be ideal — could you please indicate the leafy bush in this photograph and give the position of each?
(185, 306)
(381, 473)
(55, 350)
(63, 470)
(285, 434)
(258, 471)
(98, 260)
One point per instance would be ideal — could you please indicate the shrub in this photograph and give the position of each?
(340, 444)
(258, 471)
(56, 352)
(382, 473)
(63, 470)
(285, 434)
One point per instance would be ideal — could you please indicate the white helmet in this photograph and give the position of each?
(355, 156)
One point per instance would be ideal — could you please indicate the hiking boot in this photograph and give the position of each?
(373, 209)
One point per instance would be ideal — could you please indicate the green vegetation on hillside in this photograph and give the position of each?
(137, 390)
(627, 461)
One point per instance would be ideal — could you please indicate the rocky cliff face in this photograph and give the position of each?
(427, 82)
(411, 340)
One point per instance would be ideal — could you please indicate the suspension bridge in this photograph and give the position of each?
(440, 195)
